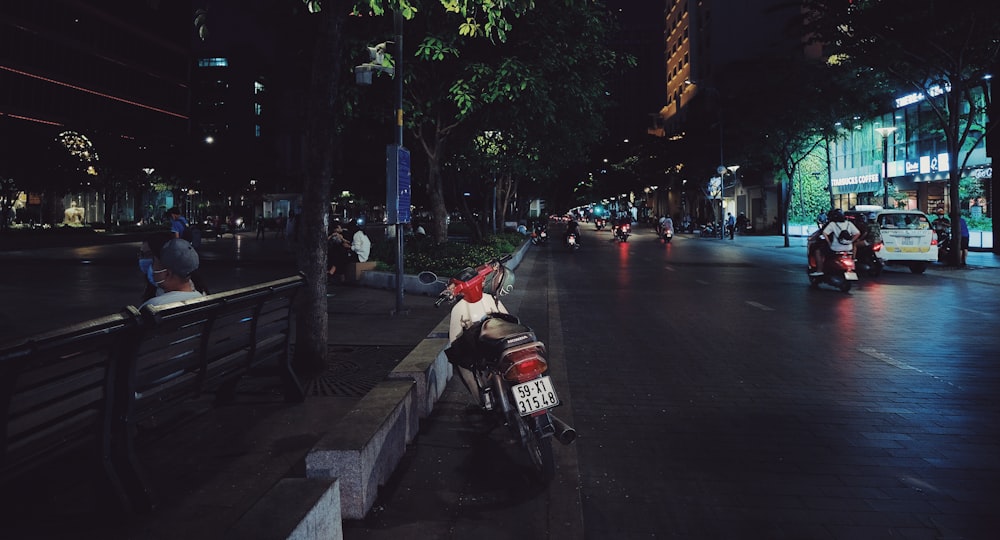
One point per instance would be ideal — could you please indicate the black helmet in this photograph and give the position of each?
(499, 282)
(837, 215)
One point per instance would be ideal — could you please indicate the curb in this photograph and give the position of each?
(364, 447)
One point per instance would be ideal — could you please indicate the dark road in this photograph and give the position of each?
(717, 396)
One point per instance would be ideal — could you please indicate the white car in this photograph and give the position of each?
(905, 237)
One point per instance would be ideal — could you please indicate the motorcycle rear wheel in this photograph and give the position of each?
(539, 449)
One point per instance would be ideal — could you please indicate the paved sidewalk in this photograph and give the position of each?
(210, 464)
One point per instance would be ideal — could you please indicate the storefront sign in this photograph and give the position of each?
(917, 97)
(856, 184)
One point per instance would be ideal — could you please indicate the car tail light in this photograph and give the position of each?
(934, 238)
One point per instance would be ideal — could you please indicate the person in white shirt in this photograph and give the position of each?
(172, 271)
(839, 234)
(361, 245)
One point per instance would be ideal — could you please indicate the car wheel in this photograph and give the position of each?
(918, 268)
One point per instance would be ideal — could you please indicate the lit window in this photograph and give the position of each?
(213, 62)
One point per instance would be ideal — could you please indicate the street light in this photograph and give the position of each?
(885, 132)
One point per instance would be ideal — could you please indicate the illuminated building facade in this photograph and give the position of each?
(114, 72)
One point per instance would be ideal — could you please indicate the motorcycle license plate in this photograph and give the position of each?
(851, 276)
(535, 395)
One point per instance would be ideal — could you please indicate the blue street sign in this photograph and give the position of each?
(397, 192)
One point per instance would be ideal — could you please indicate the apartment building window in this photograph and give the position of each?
(213, 62)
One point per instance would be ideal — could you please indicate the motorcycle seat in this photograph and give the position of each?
(499, 334)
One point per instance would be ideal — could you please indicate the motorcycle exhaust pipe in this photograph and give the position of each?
(563, 432)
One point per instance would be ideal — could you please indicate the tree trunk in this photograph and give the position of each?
(435, 190)
(956, 216)
(310, 245)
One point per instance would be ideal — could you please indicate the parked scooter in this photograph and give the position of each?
(711, 230)
(942, 226)
(510, 366)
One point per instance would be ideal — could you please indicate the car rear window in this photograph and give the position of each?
(903, 221)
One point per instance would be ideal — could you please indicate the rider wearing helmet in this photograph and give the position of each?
(839, 234)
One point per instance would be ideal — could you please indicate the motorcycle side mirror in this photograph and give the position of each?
(427, 277)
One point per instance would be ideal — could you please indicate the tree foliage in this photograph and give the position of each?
(541, 88)
(487, 18)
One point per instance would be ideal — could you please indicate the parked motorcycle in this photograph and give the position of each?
(510, 366)
(711, 230)
(942, 226)
(839, 269)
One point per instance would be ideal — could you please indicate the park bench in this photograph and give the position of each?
(93, 383)
(56, 396)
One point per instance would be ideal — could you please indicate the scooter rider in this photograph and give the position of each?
(572, 228)
(839, 234)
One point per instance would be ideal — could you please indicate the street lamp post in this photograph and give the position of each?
(885, 132)
(397, 156)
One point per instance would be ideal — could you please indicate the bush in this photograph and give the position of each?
(445, 260)
(981, 223)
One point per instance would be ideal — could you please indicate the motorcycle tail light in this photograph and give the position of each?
(524, 363)
(877, 246)
(847, 264)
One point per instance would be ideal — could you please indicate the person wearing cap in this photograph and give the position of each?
(172, 270)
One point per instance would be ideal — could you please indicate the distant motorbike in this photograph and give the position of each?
(622, 232)
(600, 223)
(572, 241)
(665, 233)
(510, 366)
(539, 235)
